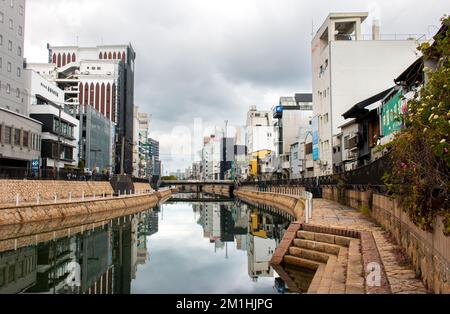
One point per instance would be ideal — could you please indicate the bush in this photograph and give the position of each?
(420, 152)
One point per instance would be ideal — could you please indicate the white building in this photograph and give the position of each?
(46, 104)
(260, 132)
(141, 149)
(348, 67)
(259, 253)
(18, 132)
(101, 77)
(211, 158)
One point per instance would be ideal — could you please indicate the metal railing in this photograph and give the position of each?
(50, 174)
(72, 198)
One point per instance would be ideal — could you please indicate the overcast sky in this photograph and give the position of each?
(210, 59)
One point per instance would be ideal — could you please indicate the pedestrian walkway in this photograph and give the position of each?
(402, 279)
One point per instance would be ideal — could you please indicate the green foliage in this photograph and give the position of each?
(365, 210)
(81, 165)
(169, 178)
(420, 152)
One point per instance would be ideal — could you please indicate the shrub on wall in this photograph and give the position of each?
(420, 151)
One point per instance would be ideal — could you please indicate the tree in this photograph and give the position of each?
(420, 151)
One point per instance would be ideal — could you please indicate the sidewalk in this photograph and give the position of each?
(402, 279)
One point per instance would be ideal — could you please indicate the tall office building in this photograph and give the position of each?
(18, 133)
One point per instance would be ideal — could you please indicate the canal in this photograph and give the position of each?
(178, 247)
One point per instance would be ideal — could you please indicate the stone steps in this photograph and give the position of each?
(324, 237)
(355, 279)
(309, 254)
(301, 262)
(317, 246)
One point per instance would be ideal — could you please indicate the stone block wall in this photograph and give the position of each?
(142, 187)
(290, 204)
(28, 190)
(222, 190)
(429, 251)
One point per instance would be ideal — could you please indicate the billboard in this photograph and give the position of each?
(391, 114)
(315, 126)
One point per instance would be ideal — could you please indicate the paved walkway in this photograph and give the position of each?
(402, 279)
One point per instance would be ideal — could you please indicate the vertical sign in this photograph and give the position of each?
(35, 167)
(315, 126)
(392, 112)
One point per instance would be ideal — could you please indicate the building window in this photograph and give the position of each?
(25, 138)
(2, 17)
(18, 92)
(11, 24)
(12, 3)
(19, 51)
(1, 40)
(21, 9)
(1, 63)
(8, 132)
(19, 71)
(10, 45)
(17, 137)
(8, 67)
(8, 89)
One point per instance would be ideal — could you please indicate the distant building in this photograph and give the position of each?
(293, 117)
(46, 104)
(211, 156)
(260, 132)
(227, 158)
(97, 140)
(348, 67)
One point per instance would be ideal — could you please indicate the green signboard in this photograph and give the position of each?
(391, 114)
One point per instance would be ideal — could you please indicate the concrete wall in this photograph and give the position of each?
(23, 235)
(218, 190)
(429, 251)
(35, 213)
(29, 189)
(292, 205)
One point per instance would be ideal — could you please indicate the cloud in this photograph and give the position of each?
(210, 59)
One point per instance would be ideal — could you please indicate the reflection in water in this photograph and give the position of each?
(159, 251)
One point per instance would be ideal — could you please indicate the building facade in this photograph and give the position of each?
(101, 77)
(348, 67)
(18, 132)
(60, 130)
(293, 117)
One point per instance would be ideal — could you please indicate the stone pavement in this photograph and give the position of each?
(402, 279)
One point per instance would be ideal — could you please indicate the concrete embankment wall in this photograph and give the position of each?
(292, 205)
(28, 190)
(222, 190)
(429, 251)
(106, 208)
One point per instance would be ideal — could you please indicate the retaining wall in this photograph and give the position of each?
(429, 251)
(217, 189)
(28, 190)
(293, 205)
(47, 212)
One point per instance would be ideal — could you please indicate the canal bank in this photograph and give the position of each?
(343, 247)
(14, 215)
(185, 247)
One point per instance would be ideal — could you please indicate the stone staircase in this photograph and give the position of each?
(335, 260)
